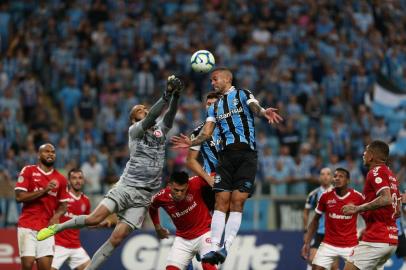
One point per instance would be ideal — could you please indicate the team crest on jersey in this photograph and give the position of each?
(235, 101)
(378, 180)
(189, 197)
(158, 133)
(20, 179)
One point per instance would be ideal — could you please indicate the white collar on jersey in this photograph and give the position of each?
(232, 88)
(74, 196)
(44, 172)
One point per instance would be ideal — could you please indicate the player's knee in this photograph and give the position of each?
(171, 267)
(237, 205)
(118, 236)
(27, 264)
(222, 203)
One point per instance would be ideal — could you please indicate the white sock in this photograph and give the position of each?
(309, 267)
(218, 222)
(232, 227)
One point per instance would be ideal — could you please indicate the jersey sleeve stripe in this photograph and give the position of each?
(318, 211)
(211, 119)
(64, 200)
(195, 148)
(20, 188)
(382, 188)
(249, 101)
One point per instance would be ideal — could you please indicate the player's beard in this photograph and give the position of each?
(47, 163)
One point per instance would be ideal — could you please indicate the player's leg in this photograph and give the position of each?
(369, 255)
(44, 263)
(79, 259)
(60, 256)
(326, 254)
(27, 262)
(103, 210)
(336, 264)
(130, 219)
(44, 253)
(120, 232)
(26, 247)
(181, 253)
(243, 179)
(203, 247)
(350, 266)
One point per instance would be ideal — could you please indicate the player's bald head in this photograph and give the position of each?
(46, 147)
(137, 113)
(224, 72)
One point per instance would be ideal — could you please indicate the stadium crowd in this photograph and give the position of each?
(70, 71)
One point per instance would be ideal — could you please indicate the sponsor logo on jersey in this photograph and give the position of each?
(184, 212)
(217, 179)
(230, 113)
(336, 216)
(36, 174)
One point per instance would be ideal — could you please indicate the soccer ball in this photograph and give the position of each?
(202, 61)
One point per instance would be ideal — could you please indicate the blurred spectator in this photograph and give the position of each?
(93, 173)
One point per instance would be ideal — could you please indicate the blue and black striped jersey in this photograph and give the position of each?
(208, 149)
(311, 203)
(233, 118)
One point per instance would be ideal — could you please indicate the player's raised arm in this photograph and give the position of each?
(177, 86)
(183, 141)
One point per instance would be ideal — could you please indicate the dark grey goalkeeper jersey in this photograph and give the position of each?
(147, 156)
(146, 140)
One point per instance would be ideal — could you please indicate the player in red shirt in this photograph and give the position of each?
(43, 192)
(67, 242)
(380, 210)
(182, 200)
(341, 230)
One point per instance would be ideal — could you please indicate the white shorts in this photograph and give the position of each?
(75, 256)
(371, 255)
(326, 254)
(29, 246)
(183, 250)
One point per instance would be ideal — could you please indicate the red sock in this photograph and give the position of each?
(208, 266)
(171, 267)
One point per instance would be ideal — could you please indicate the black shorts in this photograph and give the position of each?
(316, 241)
(236, 170)
(401, 250)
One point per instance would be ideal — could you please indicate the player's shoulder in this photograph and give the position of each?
(314, 192)
(59, 175)
(85, 198)
(29, 168)
(356, 193)
(160, 195)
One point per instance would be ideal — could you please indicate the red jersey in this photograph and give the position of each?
(190, 216)
(76, 206)
(341, 230)
(36, 214)
(381, 223)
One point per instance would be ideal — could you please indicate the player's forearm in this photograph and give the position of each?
(60, 211)
(195, 167)
(154, 214)
(380, 201)
(170, 114)
(25, 196)
(305, 218)
(154, 113)
(199, 139)
(311, 230)
(257, 109)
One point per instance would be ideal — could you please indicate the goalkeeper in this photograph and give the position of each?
(131, 196)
